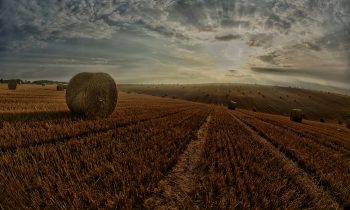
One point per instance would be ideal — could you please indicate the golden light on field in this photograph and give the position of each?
(159, 151)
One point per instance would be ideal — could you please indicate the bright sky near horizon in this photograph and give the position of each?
(279, 42)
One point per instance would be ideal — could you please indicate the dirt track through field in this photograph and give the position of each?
(173, 191)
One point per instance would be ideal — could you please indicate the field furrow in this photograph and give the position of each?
(331, 173)
(41, 139)
(114, 170)
(272, 179)
(329, 141)
(335, 134)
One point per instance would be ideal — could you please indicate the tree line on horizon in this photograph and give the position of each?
(20, 81)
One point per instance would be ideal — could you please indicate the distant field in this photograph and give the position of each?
(275, 100)
(159, 152)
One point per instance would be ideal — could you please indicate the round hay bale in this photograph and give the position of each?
(296, 115)
(61, 87)
(348, 123)
(92, 95)
(232, 105)
(12, 85)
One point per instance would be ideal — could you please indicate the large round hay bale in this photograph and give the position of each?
(232, 105)
(93, 95)
(296, 115)
(12, 85)
(348, 123)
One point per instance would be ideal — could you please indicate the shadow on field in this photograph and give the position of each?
(35, 116)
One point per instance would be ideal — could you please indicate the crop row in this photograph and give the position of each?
(112, 169)
(22, 137)
(37, 129)
(328, 166)
(240, 169)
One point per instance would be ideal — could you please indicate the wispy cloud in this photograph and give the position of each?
(304, 34)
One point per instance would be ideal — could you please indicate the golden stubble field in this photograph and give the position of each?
(317, 105)
(159, 152)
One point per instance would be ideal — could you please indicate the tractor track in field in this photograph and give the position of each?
(173, 191)
(240, 170)
(324, 185)
(54, 141)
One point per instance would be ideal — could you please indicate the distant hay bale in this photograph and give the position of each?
(322, 120)
(61, 87)
(12, 85)
(254, 109)
(348, 123)
(43, 84)
(232, 105)
(296, 115)
(92, 95)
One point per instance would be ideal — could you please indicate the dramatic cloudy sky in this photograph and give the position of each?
(281, 42)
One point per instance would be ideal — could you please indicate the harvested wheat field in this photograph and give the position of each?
(163, 153)
(270, 99)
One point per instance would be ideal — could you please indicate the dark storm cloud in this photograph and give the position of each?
(275, 22)
(281, 71)
(32, 22)
(228, 37)
(26, 22)
(341, 76)
(269, 58)
(312, 46)
(228, 23)
(259, 40)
